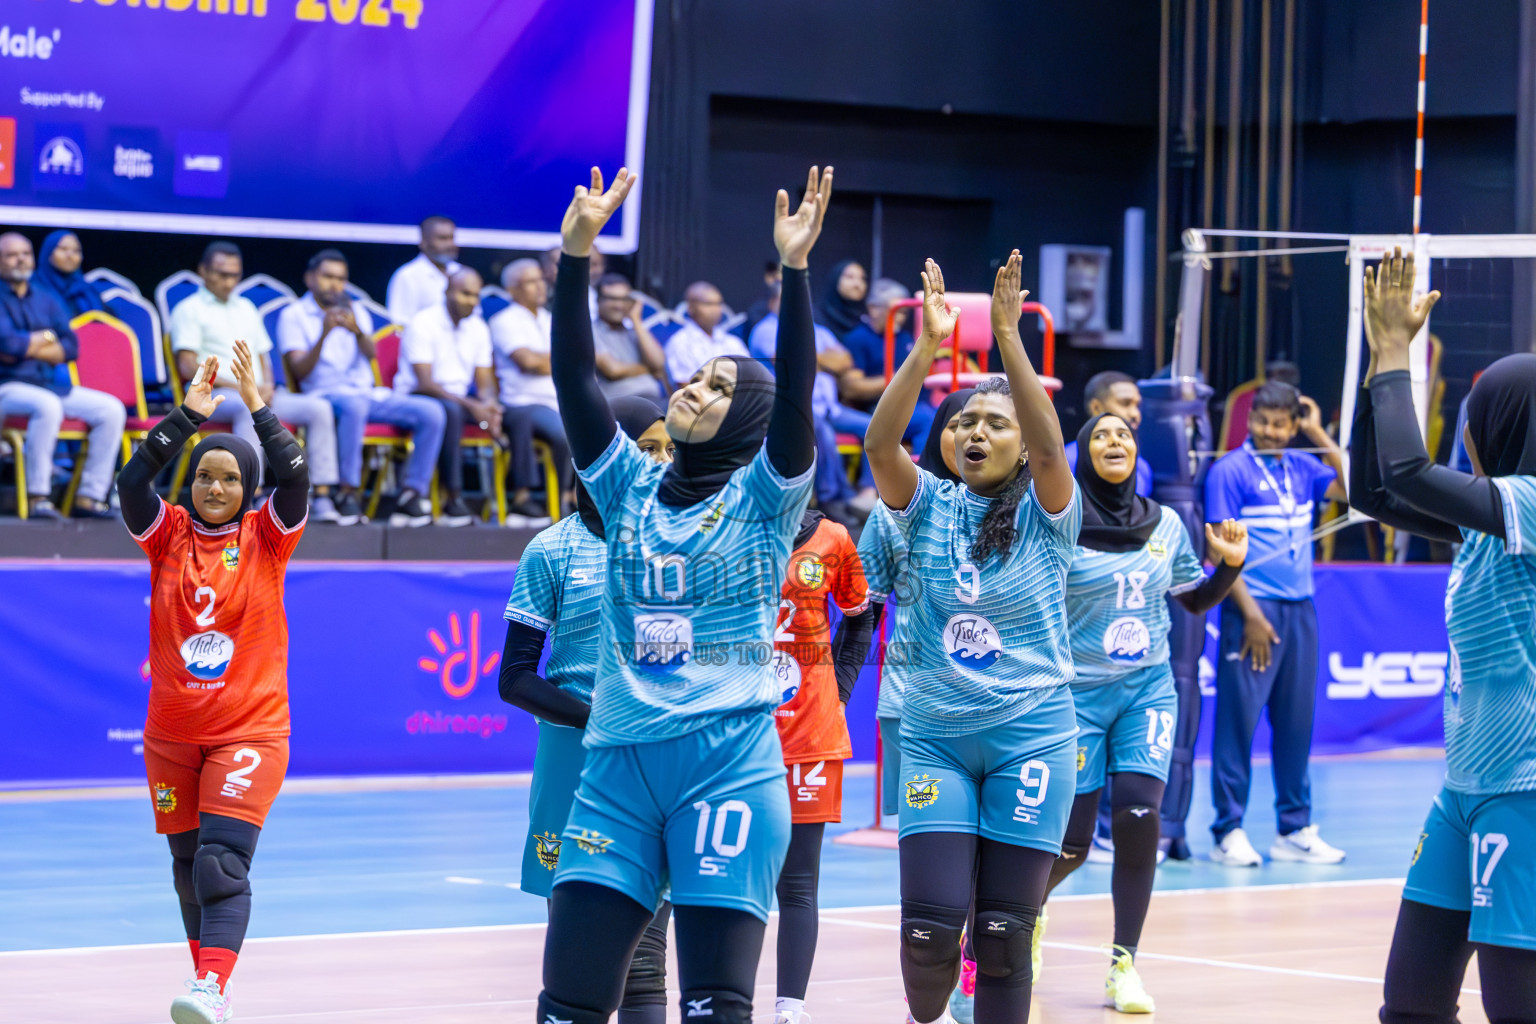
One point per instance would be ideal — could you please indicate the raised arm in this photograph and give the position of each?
(1228, 547)
(136, 482)
(589, 423)
(1031, 402)
(791, 434)
(1369, 494)
(1393, 317)
(290, 501)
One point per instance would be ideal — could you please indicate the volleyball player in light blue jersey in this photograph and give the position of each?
(987, 730)
(1132, 555)
(684, 778)
(1472, 880)
(558, 592)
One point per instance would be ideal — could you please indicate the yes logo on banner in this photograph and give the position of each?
(1391, 675)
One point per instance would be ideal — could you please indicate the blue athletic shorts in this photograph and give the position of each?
(1478, 853)
(1134, 718)
(1013, 783)
(708, 811)
(556, 773)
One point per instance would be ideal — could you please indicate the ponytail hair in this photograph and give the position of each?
(999, 527)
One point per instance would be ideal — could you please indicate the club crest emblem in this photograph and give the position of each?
(165, 798)
(810, 572)
(547, 847)
(922, 791)
(232, 557)
(1082, 758)
(710, 521)
(1157, 547)
(592, 842)
(1418, 851)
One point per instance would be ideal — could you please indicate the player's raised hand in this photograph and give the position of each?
(1393, 315)
(1008, 298)
(245, 378)
(200, 397)
(590, 209)
(795, 233)
(938, 319)
(1227, 542)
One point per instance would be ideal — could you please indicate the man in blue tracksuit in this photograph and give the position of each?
(1269, 656)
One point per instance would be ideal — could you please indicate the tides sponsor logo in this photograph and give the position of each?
(971, 641)
(1127, 640)
(663, 642)
(207, 655)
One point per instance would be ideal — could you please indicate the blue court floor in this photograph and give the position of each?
(92, 872)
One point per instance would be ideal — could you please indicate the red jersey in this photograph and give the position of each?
(826, 566)
(218, 633)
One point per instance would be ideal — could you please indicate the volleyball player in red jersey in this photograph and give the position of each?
(818, 678)
(216, 739)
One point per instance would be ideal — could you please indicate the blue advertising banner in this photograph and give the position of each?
(337, 119)
(393, 668)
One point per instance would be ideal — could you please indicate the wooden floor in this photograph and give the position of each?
(1309, 953)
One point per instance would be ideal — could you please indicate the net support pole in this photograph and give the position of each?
(1418, 145)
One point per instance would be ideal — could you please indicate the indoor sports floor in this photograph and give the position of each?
(393, 901)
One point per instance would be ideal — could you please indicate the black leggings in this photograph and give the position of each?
(1135, 800)
(450, 464)
(797, 909)
(1429, 960)
(593, 934)
(216, 895)
(937, 874)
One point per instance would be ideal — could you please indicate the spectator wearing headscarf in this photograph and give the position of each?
(842, 304)
(58, 274)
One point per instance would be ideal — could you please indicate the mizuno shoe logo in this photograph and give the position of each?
(1141, 812)
(921, 936)
(997, 926)
(701, 1007)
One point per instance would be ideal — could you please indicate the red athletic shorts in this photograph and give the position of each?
(815, 791)
(239, 780)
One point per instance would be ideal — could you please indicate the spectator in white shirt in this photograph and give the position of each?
(327, 347)
(420, 283)
(445, 350)
(701, 338)
(208, 323)
(520, 337)
(630, 363)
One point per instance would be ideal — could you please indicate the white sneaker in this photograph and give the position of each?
(1123, 988)
(791, 1017)
(1102, 850)
(1235, 851)
(1304, 847)
(205, 1004)
(944, 1018)
(323, 510)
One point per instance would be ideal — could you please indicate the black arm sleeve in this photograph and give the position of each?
(1369, 494)
(1458, 498)
(850, 646)
(136, 482)
(291, 499)
(523, 687)
(589, 423)
(1210, 593)
(791, 434)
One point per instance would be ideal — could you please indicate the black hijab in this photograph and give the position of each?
(932, 456)
(250, 473)
(1501, 417)
(701, 469)
(809, 520)
(838, 314)
(1115, 517)
(636, 416)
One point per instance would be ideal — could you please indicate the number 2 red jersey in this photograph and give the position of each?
(218, 633)
(826, 566)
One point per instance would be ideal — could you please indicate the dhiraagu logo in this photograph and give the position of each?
(207, 655)
(971, 641)
(663, 641)
(458, 664)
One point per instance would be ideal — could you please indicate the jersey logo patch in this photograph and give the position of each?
(922, 791)
(971, 641)
(547, 847)
(592, 842)
(663, 642)
(1157, 547)
(787, 671)
(811, 572)
(1418, 851)
(232, 557)
(208, 654)
(165, 798)
(1127, 640)
(1082, 758)
(715, 515)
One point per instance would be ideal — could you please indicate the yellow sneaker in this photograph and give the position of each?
(1122, 989)
(1036, 956)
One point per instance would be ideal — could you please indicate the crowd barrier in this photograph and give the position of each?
(393, 668)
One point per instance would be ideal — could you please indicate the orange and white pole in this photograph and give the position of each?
(1418, 148)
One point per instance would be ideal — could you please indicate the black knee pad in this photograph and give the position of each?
(1136, 831)
(552, 1011)
(930, 936)
(219, 872)
(716, 1006)
(646, 982)
(1002, 939)
(1077, 855)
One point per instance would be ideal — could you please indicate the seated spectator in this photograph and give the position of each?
(773, 274)
(862, 384)
(446, 349)
(520, 339)
(1114, 392)
(630, 363)
(701, 338)
(327, 348)
(208, 323)
(35, 339)
(419, 284)
(58, 274)
(549, 263)
(842, 303)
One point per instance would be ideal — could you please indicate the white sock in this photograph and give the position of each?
(793, 1007)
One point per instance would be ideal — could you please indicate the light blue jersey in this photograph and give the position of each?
(559, 589)
(987, 642)
(883, 551)
(691, 598)
(1117, 602)
(1490, 614)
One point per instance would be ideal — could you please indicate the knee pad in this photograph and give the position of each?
(1076, 854)
(930, 936)
(552, 1011)
(1136, 831)
(646, 982)
(715, 1006)
(1002, 940)
(219, 872)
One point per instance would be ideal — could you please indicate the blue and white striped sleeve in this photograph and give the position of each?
(1186, 572)
(612, 474)
(535, 599)
(1517, 494)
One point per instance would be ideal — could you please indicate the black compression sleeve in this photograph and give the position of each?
(1369, 494)
(1459, 498)
(291, 499)
(1210, 593)
(589, 423)
(850, 646)
(791, 434)
(136, 482)
(523, 687)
